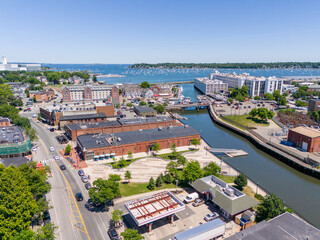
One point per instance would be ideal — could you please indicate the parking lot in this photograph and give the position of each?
(184, 220)
(242, 108)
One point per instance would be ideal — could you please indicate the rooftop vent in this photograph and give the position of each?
(119, 139)
(140, 130)
(159, 128)
(229, 192)
(186, 126)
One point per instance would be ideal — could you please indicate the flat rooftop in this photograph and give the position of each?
(309, 132)
(82, 116)
(121, 121)
(91, 141)
(144, 109)
(210, 81)
(12, 134)
(284, 226)
(154, 207)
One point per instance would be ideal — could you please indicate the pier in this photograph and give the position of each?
(189, 106)
(229, 152)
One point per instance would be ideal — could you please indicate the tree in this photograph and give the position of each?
(159, 181)
(94, 78)
(230, 100)
(181, 160)
(117, 216)
(152, 184)
(192, 171)
(142, 103)
(53, 77)
(257, 98)
(168, 178)
(195, 142)
(104, 190)
(39, 117)
(67, 150)
(127, 175)
(172, 167)
(32, 133)
(241, 180)
(268, 96)
(17, 204)
(211, 169)
(130, 234)
(156, 147)
(145, 85)
(315, 116)
(130, 156)
(115, 177)
(285, 94)
(253, 112)
(173, 148)
(282, 101)
(159, 108)
(46, 232)
(271, 207)
(301, 103)
(276, 95)
(129, 105)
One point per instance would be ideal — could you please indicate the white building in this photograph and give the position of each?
(18, 67)
(208, 86)
(257, 85)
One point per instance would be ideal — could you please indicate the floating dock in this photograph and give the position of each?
(229, 152)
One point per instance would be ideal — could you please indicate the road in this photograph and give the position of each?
(73, 219)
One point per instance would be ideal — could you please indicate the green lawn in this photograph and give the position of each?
(166, 155)
(246, 120)
(129, 189)
(227, 179)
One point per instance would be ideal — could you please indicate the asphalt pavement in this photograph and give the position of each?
(73, 219)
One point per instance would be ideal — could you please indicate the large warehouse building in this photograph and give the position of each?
(120, 125)
(100, 146)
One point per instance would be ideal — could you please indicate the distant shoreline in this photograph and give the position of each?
(278, 65)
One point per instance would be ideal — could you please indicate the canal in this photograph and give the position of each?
(297, 190)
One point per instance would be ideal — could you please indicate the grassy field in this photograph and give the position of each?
(246, 121)
(129, 189)
(227, 179)
(166, 155)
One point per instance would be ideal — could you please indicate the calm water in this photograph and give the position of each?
(300, 192)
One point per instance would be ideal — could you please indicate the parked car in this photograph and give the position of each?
(191, 197)
(79, 197)
(84, 179)
(34, 148)
(198, 202)
(56, 157)
(88, 186)
(46, 217)
(209, 217)
(81, 173)
(63, 167)
(113, 234)
(51, 149)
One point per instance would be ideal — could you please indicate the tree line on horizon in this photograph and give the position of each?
(290, 65)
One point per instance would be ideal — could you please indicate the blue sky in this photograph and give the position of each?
(128, 31)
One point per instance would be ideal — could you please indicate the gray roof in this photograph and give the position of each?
(16, 161)
(232, 205)
(83, 116)
(11, 134)
(91, 141)
(284, 227)
(121, 121)
(203, 228)
(144, 109)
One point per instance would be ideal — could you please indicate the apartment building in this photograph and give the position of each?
(257, 85)
(208, 86)
(90, 92)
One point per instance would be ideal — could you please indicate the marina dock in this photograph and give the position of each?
(229, 152)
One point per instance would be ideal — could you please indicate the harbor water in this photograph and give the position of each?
(299, 191)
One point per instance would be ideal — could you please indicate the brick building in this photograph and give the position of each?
(145, 111)
(314, 105)
(5, 122)
(120, 125)
(76, 113)
(90, 92)
(305, 138)
(100, 146)
(42, 96)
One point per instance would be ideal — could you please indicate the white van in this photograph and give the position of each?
(191, 197)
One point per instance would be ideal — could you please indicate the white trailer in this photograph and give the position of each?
(206, 231)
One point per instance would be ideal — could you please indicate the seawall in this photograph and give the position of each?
(281, 155)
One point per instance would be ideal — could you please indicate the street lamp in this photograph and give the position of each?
(176, 186)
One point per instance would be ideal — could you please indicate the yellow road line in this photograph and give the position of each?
(85, 228)
(68, 185)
